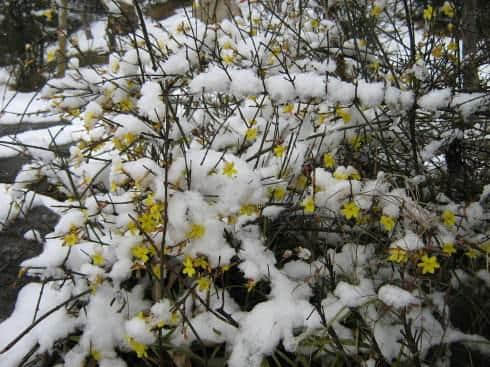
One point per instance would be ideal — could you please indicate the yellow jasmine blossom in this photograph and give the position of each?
(448, 9)
(251, 133)
(301, 182)
(340, 176)
(486, 247)
(279, 151)
(201, 262)
(428, 264)
(96, 355)
(203, 283)
(148, 222)
(387, 222)
(350, 210)
(398, 255)
(140, 252)
(133, 228)
(448, 249)
(75, 112)
(355, 176)
(88, 119)
(278, 193)
(51, 56)
(98, 258)
(429, 13)
(472, 253)
(228, 59)
(437, 51)
(288, 108)
(71, 238)
(448, 218)
(321, 118)
(137, 347)
(250, 285)
(344, 114)
(188, 267)
(374, 66)
(229, 169)
(308, 205)
(129, 138)
(48, 14)
(155, 268)
(328, 160)
(126, 104)
(196, 232)
(248, 209)
(376, 10)
(356, 142)
(452, 46)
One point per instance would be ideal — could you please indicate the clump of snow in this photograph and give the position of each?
(396, 297)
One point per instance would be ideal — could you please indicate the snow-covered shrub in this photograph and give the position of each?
(268, 186)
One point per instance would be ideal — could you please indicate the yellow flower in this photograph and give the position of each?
(428, 264)
(251, 133)
(429, 13)
(204, 283)
(437, 51)
(356, 142)
(48, 14)
(472, 253)
(308, 205)
(96, 355)
(278, 193)
(448, 9)
(340, 176)
(129, 138)
(229, 169)
(344, 114)
(448, 218)
(448, 249)
(328, 160)
(197, 231)
(228, 59)
(301, 182)
(452, 46)
(133, 228)
(376, 10)
(202, 263)
(250, 285)
(188, 267)
(140, 252)
(51, 56)
(98, 258)
(71, 238)
(126, 104)
(320, 118)
(88, 119)
(155, 268)
(279, 151)
(387, 222)
(137, 347)
(350, 210)
(148, 222)
(485, 247)
(374, 66)
(288, 108)
(398, 255)
(248, 209)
